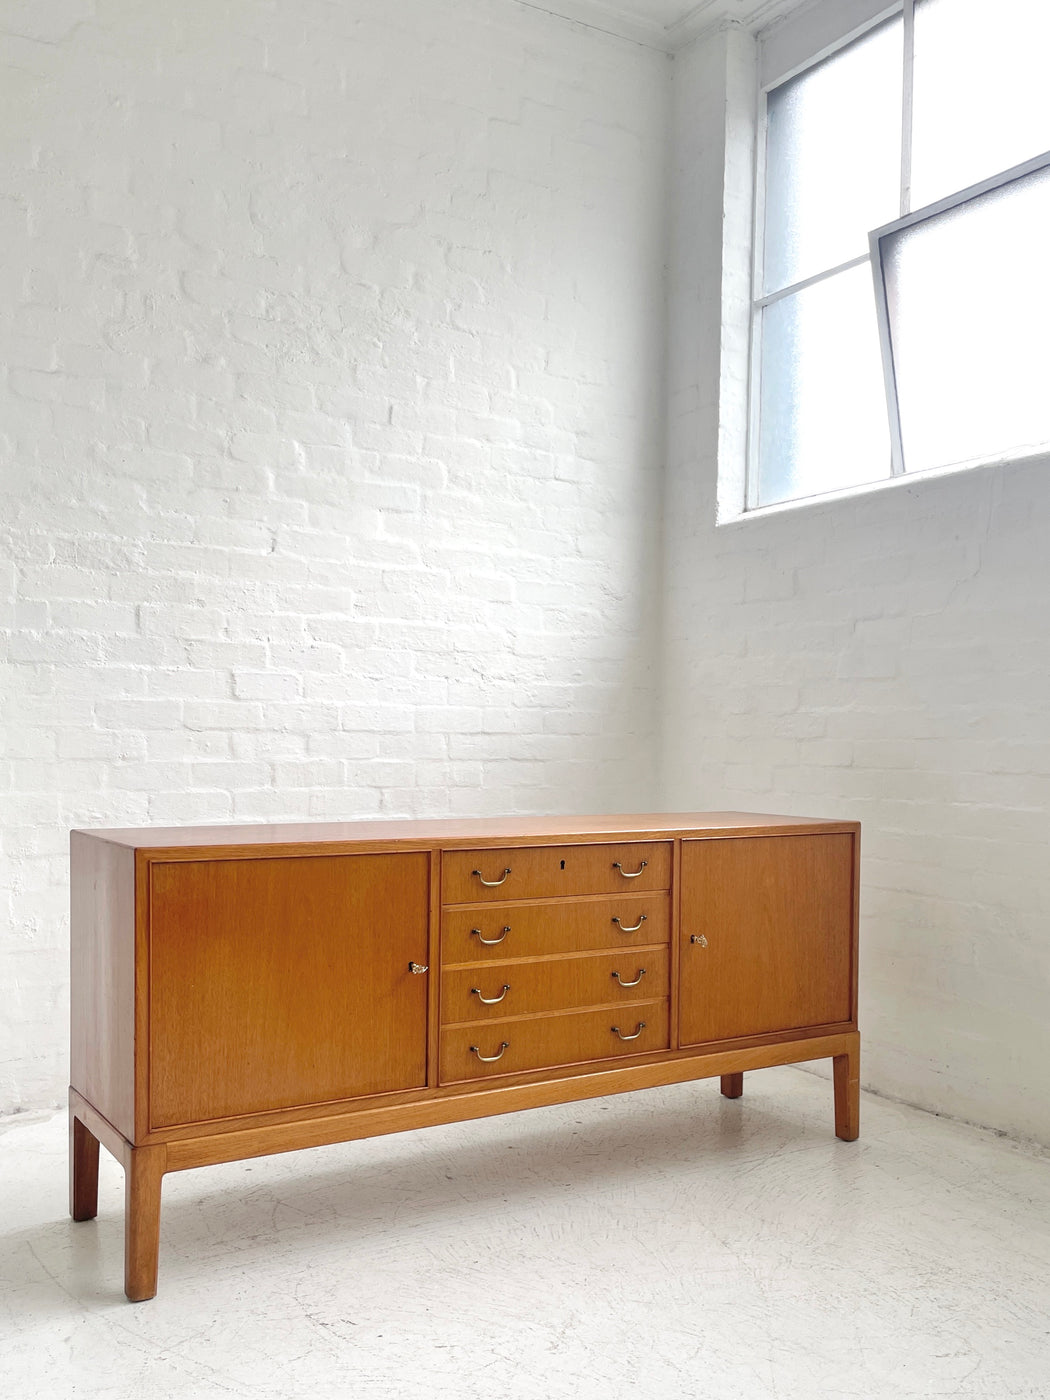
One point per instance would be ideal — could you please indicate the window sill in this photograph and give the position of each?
(850, 493)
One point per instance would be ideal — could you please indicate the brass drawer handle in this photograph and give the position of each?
(490, 1001)
(628, 874)
(641, 974)
(619, 1032)
(489, 941)
(418, 967)
(630, 928)
(487, 1059)
(699, 939)
(491, 884)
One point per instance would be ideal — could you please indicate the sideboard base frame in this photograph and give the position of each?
(145, 1166)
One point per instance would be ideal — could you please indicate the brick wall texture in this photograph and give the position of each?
(330, 429)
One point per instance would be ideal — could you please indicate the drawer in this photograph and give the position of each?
(555, 984)
(544, 1041)
(538, 930)
(545, 872)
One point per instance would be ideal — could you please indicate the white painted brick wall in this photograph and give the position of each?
(884, 658)
(330, 429)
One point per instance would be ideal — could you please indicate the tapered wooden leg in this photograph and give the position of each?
(142, 1177)
(83, 1170)
(732, 1085)
(847, 1096)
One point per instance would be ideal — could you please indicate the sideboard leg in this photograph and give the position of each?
(847, 1096)
(83, 1170)
(732, 1085)
(142, 1177)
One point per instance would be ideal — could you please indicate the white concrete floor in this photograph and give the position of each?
(668, 1243)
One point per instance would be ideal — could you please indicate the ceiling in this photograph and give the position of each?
(663, 23)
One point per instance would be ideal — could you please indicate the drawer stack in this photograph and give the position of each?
(553, 955)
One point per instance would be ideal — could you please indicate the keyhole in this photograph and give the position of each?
(563, 865)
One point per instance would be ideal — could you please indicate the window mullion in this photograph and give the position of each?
(907, 106)
(758, 246)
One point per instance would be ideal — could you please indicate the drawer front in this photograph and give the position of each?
(545, 872)
(556, 984)
(546, 1041)
(538, 930)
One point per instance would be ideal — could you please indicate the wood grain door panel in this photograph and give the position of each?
(766, 931)
(283, 982)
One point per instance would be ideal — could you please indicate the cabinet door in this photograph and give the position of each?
(766, 932)
(282, 982)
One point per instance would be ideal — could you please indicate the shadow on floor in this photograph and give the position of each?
(225, 1217)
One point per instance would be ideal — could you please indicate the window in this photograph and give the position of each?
(901, 294)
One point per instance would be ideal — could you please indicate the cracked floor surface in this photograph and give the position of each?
(666, 1243)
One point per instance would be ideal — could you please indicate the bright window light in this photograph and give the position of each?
(823, 411)
(833, 158)
(981, 100)
(967, 300)
(925, 343)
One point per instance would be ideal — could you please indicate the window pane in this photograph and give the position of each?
(968, 294)
(833, 158)
(981, 101)
(823, 409)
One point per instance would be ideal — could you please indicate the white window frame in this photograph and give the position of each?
(875, 241)
(796, 57)
(760, 302)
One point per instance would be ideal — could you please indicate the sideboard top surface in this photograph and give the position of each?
(464, 831)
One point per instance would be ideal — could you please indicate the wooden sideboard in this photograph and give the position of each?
(244, 990)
